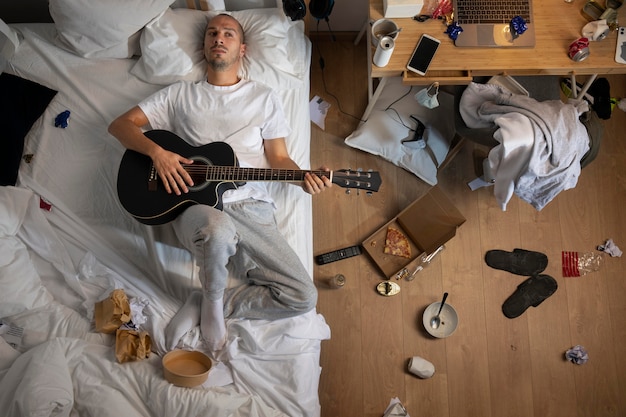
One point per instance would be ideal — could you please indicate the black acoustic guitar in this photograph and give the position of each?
(214, 170)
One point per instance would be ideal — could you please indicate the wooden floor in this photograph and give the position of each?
(491, 366)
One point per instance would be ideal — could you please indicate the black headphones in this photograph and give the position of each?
(296, 9)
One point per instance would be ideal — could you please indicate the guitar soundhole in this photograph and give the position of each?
(198, 172)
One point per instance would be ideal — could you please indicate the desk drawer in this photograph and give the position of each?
(460, 77)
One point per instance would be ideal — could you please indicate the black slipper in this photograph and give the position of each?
(520, 261)
(601, 92)
(531, 292)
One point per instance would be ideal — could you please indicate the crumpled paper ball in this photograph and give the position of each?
(577, 355)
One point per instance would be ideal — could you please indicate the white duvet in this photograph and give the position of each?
(57, 261)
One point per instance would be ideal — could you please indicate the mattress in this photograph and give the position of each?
(67, 243)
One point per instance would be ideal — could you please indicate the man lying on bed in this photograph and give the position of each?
(249, 117)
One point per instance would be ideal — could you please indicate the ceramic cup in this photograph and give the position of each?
(383, 27)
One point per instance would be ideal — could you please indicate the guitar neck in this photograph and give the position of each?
(238, 174)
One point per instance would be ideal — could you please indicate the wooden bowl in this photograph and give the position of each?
(186, 368)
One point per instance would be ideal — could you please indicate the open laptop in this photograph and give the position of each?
(487, 23)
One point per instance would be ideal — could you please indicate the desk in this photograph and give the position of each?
(557, 24)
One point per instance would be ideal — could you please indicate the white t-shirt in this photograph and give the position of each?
(241, 115)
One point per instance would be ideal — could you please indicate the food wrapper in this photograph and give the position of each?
(576, 264)
(132, 345)
(112, 312)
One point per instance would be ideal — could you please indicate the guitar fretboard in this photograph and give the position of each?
(225, 173)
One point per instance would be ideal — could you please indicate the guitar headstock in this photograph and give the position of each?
(362, 180)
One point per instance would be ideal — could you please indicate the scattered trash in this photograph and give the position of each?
(421, 367)
(610, 248)
(577, 355)
(62, 120)
(395, 409)
(576, 264)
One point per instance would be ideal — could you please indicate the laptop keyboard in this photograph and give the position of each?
(491, 11)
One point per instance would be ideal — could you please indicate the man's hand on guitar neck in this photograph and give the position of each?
(314, 184)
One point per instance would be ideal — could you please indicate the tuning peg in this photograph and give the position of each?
(348, 191)
(369, 193)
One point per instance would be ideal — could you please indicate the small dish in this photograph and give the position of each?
(448, 316)
(186, 368)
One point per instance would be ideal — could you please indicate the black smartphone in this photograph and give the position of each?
(423, 54)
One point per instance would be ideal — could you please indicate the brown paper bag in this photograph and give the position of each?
(112, 312)
(132, 345)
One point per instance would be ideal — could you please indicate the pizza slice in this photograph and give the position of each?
(397, 243)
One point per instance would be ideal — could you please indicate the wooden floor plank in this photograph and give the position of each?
(492, 366)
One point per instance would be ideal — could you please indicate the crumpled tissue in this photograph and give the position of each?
(611, 248)
(577, 355)
(395, 409)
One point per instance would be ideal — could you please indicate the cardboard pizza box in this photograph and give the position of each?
(428, 222)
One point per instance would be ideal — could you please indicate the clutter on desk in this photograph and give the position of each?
(579, 50)
(596, 30)
(382, 28)
(384, 50)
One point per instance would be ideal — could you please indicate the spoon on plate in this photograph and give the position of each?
(435, 322)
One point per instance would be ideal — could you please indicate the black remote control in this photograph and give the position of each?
(338, 255)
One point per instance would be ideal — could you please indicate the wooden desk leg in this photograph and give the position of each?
(373, 98)
(365, 27)
(587, 85)
(574, 90)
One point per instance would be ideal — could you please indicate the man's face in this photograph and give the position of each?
(223, 43)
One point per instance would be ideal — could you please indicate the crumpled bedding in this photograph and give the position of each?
(541, 143)
(65, 243)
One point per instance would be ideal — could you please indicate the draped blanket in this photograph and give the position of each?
(540, 143)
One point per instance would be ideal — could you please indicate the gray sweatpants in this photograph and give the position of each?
(245, 234)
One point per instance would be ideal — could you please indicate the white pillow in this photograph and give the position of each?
(382, 133)
(103, 28)
(172, 48)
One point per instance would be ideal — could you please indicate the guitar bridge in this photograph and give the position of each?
(153, 179)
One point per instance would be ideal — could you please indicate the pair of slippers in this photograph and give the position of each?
(534, 290)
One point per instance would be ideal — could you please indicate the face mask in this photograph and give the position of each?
(427, 97)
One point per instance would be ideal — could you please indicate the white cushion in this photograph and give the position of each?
(389, 123)
(172, 48)
(103, 28)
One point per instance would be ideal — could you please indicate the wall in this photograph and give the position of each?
(347, 15)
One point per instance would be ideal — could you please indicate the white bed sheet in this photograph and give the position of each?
(84, 246)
